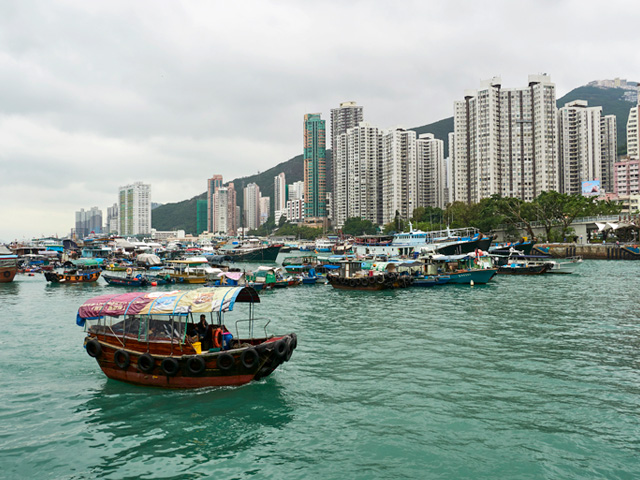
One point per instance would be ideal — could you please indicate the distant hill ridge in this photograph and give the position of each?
(182, 215)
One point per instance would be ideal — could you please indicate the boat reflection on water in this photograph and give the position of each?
(185, 432)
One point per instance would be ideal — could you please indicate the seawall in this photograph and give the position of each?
(590, 251)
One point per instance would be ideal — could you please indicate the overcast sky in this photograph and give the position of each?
(99, 94)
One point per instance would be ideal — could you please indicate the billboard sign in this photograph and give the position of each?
(591, 188)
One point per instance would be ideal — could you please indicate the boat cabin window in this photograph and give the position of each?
(142, 327)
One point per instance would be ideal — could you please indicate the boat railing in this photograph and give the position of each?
(251, 322)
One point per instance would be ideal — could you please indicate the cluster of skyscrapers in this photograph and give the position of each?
(513, 142)
(130, 216)
(379, 174)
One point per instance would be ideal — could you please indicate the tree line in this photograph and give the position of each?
(552, 210)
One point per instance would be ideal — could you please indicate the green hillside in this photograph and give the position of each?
(440, 130)
(182, 215)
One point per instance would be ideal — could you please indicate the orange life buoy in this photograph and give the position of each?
(129, 271)
(217, 338)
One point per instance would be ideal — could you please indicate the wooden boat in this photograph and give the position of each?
(271, 277)
(73, 276)
(350, 276)
(190, 271)
(299, 263)
(472, 268)
(146, 338)
(128, 281)
(8, 265)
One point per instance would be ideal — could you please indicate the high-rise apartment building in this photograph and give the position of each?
(252, 206)
(580, 146)
(315, 187)
(398, 174)
(111, 225)
(450, 183)
(295, 203)
(609, 135)
(280, 192)
(202, 209)
(88, 222)
(633, 131)
(295, 191)
(430, 172)
(357, 161)
(212, 184)
(347, 116)
(134, 209)
(265, 209)
(505, 141)
(225, 221)
(625, 177)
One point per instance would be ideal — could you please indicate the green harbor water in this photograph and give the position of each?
(527, 377)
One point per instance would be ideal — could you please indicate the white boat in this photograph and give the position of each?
(564, 266)
(444, 242)
(325, 244)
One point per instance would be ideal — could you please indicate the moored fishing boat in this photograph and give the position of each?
(473, 268)
(564, 266)
(192, 270)
(151, 339)
(128, 281)
(326, 244)
(80, 275)
(8, 265)
(351, 276)
(414, 242)
(523, 246)
(252, 250)
(524, 267)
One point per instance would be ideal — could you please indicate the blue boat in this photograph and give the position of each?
(462, 269)
(430, 281)
(137, 281)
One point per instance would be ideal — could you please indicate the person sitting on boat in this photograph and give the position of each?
(201, 327)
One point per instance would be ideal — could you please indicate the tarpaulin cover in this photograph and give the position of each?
(200, 300)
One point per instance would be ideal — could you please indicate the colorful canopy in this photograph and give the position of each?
(175, 302)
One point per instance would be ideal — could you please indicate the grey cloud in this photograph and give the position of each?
(172, 92)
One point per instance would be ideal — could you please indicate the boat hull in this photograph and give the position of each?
(191, 279)
(475, 276)
(375, 282)
(125, 282)
(431, 281)
(529, 270)
(267, 355)
(7, 274)
(266, 254)
(8, 268)
(54, 277)
(462, 247)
